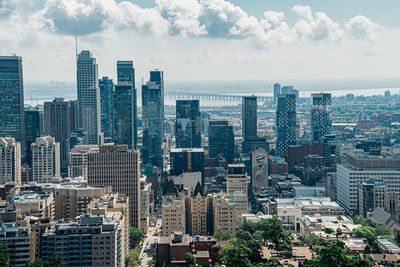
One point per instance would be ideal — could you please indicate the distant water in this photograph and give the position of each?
(37, 93)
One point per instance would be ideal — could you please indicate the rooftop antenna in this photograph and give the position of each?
(76, 45)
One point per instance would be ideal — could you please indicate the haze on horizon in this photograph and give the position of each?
(207, 40)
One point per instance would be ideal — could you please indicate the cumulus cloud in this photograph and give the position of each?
(6, 6)
(361, 27)
(196, 18)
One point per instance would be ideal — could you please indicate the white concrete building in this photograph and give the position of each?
(78, 159)
(358, 168)
(10, 160)
(45, 159)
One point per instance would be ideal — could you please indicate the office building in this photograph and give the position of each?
(285, 124)
(126, 76)
(224, 211)
(60, 119)
(106, 86)
(10, 160)
(12, 122)
(249, 122)
(153, 119)
(33, 121)
(78, 160)
(221, 140)
(73, 199)
(277, 91)
(20, 243)
(89, 111)
(92, 240)
(321, 116)
(119, 167)
(188, 124)
(237, 189)
(186, 160)
(173, 216)
(45, 159)
(123, 115)
(357, 169)
(205, 118)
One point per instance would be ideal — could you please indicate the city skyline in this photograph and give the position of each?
(288, 42)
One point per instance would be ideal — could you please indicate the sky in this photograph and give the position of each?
(206, 40)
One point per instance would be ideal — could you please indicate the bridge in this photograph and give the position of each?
(211, 97)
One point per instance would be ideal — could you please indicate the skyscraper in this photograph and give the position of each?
(12, 123)
(59, 121)
(221, 140)
(107, 105)
(153, 119)
(249, 121)
(277, 91)
(32, 131)
(123, 115)
(126, 76)
(45, 159)
(321, 116)
(285, 124)
(10, 160)
(188, 124)
(119, 167)
(89, 112)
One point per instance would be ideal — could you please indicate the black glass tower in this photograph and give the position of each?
(107, 105)
(221, 140)
(188, 124)
(285, 124)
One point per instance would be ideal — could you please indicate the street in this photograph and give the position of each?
(150, 244)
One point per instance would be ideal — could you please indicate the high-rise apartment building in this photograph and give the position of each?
(60, 119)
(20, 243)
(277, 91)
(127, 99)
(10, 160)
(89, 111)
(45, 159)
(12, 122)
(198, 212)
(153, 119)
(107, 106)
(221, 140)
(224, 211)
(92, 240)
(123, 116)
(285, 124)
(237, 189)
(321, 116)
(188, 124)
(33, 121)
(119, 167)
(173, 216)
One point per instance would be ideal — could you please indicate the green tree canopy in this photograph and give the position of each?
(135, 235)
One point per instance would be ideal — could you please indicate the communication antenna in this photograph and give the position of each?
(76, 45)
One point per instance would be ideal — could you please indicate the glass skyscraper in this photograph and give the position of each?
(123, 115)
(126, 77)
(321, 116)
(285, 124)
(221, 140)
(188, 124)
(12, 123)
(249, 122)
(107, 105)
(89, 116)
(153, 119)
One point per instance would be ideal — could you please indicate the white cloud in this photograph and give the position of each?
(193, 18)
(360, 27)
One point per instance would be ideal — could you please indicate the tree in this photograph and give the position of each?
(382, 229)
(4, 257)
(397, 237)
(132, 258)
(276, 234)
(312, 240)
(235, 254)
(135, 235)
(190, 260)
(338, 233)
(222, 235)
(368, 233)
